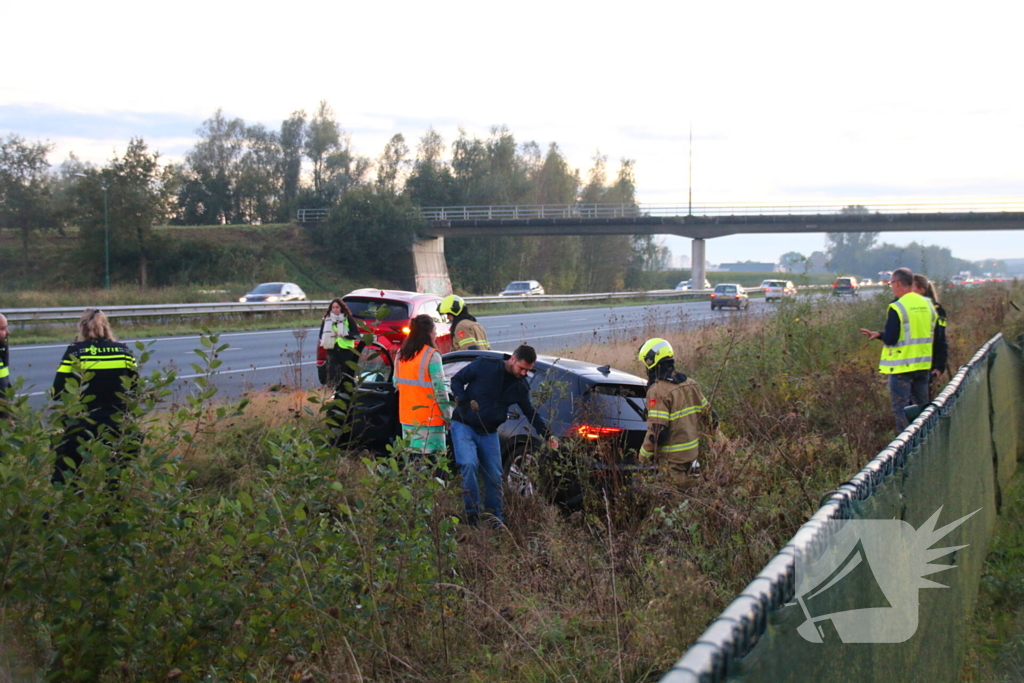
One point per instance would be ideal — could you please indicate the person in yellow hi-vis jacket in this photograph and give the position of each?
(677, 414)
(908, 338)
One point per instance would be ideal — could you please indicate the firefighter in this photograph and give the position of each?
(467, 333)
(677, 414)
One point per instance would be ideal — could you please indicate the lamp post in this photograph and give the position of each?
(106, 232)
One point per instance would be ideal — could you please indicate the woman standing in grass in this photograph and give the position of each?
(105, 370)
(940, 347)
(340, 337)
(423, 406)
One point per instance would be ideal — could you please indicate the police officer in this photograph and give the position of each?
(106, 371)
(467, 333)
(677, 413)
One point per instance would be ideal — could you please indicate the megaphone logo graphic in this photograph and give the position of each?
(863, 588)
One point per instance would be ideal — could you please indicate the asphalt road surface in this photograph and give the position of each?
(260, 360)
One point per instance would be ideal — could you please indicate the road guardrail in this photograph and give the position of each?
(58, 314)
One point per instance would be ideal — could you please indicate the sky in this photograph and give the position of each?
(787, 102)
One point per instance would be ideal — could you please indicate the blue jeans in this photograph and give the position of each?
(478, 452)
(907, 389)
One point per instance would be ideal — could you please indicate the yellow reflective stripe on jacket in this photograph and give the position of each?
(469, 341)
(689, 445)
(913, 350)
(4, 371)
(658, 414)
(687, 411)
(113, 362)
(646, 453)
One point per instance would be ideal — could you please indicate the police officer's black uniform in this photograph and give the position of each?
(107, 370)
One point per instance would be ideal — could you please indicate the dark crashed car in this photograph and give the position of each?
(594, 410)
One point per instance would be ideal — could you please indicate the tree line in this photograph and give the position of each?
(239, 173)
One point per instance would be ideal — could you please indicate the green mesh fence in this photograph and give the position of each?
(849, 598)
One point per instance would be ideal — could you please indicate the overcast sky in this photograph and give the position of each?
(789, 101)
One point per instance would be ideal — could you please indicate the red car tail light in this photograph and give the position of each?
(737, 296)
(594, 432)
(712, 295)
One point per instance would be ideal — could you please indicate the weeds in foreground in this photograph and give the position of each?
(240, 546)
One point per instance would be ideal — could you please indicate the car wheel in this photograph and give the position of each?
(712, 307)
(515, 464)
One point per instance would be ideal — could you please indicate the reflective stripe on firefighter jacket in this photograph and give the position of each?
(342, 339)
(468, 334)
(417, 404)
(680, 408)
(913, 350)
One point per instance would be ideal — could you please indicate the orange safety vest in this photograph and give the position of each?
(417, 404)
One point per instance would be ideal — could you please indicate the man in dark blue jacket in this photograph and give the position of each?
(484, 390)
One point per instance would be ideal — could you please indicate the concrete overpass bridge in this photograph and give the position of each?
(697, 222)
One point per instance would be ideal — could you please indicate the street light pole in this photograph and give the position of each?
(106, 231)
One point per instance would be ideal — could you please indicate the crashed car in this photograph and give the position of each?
(593, 409)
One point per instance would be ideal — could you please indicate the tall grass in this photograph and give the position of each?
(241, 546)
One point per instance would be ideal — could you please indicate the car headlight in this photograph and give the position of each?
(272, 299)
(242, 300)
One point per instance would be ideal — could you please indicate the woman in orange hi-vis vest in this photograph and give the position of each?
(423, 406)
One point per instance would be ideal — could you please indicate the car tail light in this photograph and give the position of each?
(737, 296)
(594, 432)
(712, 295)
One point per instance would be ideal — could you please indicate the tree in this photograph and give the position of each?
(391, 164)
(208, 186)
(258, 186)
(137, 197)
(845, 250)
(26, 186)
(431, 182)
(292, 139)
(323, 138)
(793, 261)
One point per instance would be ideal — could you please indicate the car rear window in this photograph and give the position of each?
(725, 289)
(378, 309)
(618, 401)
(776, 284)
(843, 281)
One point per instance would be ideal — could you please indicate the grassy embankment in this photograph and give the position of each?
(216, 264)
(242, 546)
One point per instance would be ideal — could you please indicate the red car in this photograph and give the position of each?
(386, 314)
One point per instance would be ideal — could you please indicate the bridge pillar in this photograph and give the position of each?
(697, 264)
(430, 267)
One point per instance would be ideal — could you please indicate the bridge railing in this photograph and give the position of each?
(602, 211)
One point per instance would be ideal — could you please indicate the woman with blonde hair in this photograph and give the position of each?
(423, 406)
(940, 349)
(105, 370)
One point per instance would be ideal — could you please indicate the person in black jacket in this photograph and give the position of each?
(940, 347)
(106, 371)
(5, 368)
(484, 391)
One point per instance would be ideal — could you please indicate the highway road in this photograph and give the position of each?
(260, 360)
